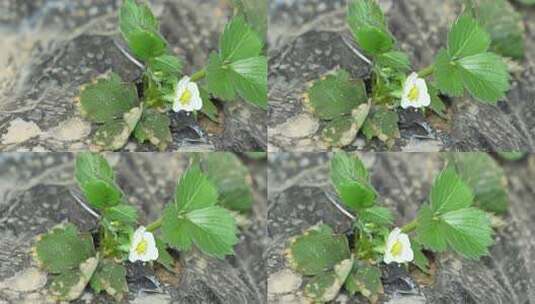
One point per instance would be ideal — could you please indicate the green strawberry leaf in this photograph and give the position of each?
(97, 180)
(374, 40)
(485, 76)
(92, 166)
(365, 13)
(102, 194)
(133, 16)
(112, 135)
(208, 107)
(212, 230)
(436, 105)
(467, 64)
(255, 11)
(121, 213)
(239, 68)
(195, 191)
(245, 77)
(108, 99)
(467, 231)
(317, 250)
(154, 127)
(110, 277)
(368, 25)
(163, 67)
(239, 41)
(193, 219)
(447, 75)
(504, 25)
(396, 60)
(218, 80)
(430, 232)
(231, 177)
(346, 168)
(383, 124)
(70, 285)
(336, 95)
(341, 131)
(467, 38)
(450, 221)
(450, 192)
(350, 179)
(377, 215)
(325, 286)
(366, 280)
(63, 249)
(164, 258)
(486, 178)
(146, 44)
(420, 260)
(140, 29)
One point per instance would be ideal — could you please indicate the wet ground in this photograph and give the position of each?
(306, 42)
(52, 47)
(296, 201)
(34, 196)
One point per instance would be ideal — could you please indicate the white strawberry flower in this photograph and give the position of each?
(187, 97)
(415, 92)
(142, 247)
(398, 248)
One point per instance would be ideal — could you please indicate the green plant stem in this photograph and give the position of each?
(426, 71)
(410, 226)
(198, 75)
(154, 225)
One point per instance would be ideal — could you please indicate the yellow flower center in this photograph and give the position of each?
(414, 93)
(185, 98)
(141, 247)
(396, 248)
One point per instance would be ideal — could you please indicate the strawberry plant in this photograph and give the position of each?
(237, 70)
(201, 214)
(455, 217)
(470, 62)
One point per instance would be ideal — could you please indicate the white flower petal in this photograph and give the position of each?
(412, 77)
(151, 252)
(388, 258)
(405, 103)
(138, 236)
(180, 88)
(423, 99)
(183, 83)
(195, 102)
(393, 236)
(426, 100)
(132, 257)
(405, 255)
(196, 97)
(177, 106)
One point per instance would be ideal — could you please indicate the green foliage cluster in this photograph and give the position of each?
(455, 217)
(200, 214)
(472, 62)
(239, 68)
